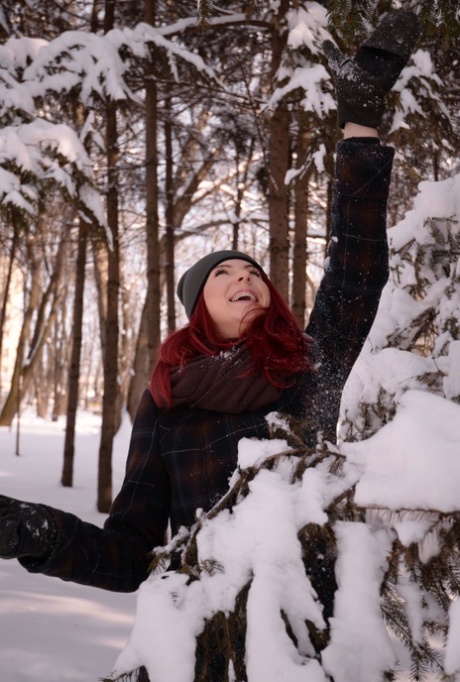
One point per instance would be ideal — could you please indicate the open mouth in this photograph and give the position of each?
(244, 296)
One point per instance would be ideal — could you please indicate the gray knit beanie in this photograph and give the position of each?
(193, 280)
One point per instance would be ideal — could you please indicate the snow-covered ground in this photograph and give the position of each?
(50, 630)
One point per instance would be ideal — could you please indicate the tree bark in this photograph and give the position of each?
(241, 182)
(189, 172)
(61, 360)
(300, 191)
(6, 293)
(299, 270)
(109, 399)
(101, 275)
(169, 187)
(110, 361)
(74, 368)
(41, 307)
(141, 366)
(278, 165)
(151, 192)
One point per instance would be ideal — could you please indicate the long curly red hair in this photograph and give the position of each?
(279, 347)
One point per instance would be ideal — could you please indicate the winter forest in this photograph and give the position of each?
(136, 137)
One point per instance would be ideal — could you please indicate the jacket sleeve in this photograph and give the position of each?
(115, 557)
(356, 270)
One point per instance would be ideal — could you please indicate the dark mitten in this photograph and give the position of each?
(363, 82)
(26, 529)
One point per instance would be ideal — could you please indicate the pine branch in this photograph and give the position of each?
(139, 675)
(204, 11)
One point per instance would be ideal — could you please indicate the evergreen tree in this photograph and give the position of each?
(310, 561)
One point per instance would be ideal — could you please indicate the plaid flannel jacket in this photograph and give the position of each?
(180, 460)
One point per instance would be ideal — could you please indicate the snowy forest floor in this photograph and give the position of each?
(52, 631)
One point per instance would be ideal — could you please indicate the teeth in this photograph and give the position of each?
(243, 295)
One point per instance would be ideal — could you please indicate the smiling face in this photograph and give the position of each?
(234, 289)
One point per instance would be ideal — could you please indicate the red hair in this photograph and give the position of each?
(279, 348)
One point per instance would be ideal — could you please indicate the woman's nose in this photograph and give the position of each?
(244, 276)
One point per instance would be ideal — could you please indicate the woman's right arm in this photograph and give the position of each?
(115, 557)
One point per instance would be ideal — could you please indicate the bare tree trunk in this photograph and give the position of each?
(46, 314)
(61, 359)
(279, 158)
(41, 390)
(278, 201)
(43, 313)
(240, 188)
(95, 10)
(299, 270)
(148, 338)
(6, 293)
(170, 266)
(141, 365)
(239, 197)
(109, 400)
(100, 262)
(125, 359)
(74, 368)
(151, 191)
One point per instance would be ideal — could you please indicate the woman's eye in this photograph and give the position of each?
(219, 271)
(255, 272)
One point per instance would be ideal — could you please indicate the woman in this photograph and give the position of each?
(241, 356)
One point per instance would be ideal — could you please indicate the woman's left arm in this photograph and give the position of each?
(356, 268)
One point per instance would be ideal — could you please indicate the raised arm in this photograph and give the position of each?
(356, 267)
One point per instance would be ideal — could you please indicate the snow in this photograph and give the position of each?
(307, 30)
(308, 27)
(411, 463)
(404, 471)
(452, 663)
(52, 630)
(49, 629)
(417, 473)
(166, 628)
(360, 647)
(403, 468)
(271, 559)
(86, 60)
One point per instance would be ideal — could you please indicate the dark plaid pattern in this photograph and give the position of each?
(181, 460)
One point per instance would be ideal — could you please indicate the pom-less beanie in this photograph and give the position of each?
(193, 280)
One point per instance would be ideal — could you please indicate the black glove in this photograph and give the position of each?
(363, 82)
(26, 529)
